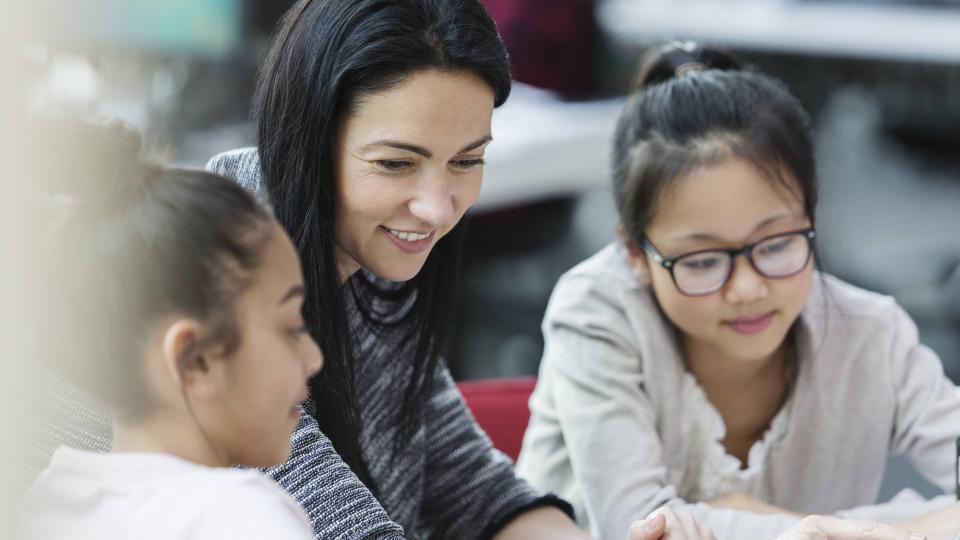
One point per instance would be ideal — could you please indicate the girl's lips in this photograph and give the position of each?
(413, 248)
(750, 325)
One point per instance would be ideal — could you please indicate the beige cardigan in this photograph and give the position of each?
(619, 428)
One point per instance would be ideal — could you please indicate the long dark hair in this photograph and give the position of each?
(695, 105)
(326, 55)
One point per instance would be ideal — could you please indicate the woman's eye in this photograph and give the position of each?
(467, 164)
(298, 331)
(394, 165)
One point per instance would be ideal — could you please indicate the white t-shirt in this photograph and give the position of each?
(145, 496)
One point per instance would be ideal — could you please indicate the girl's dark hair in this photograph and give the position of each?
(326, 56)
(135, 243)
(694, 106)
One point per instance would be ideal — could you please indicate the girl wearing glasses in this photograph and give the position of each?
(702, 362)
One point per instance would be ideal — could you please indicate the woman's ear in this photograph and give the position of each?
(636, 257)
(188, 363)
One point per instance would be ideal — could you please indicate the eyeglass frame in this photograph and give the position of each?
(746, 250)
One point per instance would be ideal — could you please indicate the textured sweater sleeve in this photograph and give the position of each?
(608, 420)
(338, 504)
(470, 488)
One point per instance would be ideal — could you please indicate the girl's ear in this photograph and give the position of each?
(636, 257)
(190, 365)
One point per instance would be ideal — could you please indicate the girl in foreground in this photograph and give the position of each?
(702, 362)
(182, 312)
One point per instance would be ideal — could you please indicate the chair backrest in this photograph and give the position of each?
(500, 407)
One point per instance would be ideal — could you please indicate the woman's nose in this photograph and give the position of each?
(434, 201)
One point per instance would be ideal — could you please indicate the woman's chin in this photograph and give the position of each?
(397, 272)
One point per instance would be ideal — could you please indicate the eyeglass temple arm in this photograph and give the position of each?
(654, 254)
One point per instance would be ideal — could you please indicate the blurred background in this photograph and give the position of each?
(881, 79)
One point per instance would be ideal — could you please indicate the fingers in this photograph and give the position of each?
(682, 526)
(831, 528)
(691, 529)
(651, 528)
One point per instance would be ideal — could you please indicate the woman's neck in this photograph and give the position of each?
(176, 437)
(346, 266)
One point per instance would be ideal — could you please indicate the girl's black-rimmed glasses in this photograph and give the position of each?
(707, 271)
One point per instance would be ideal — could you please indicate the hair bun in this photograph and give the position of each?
(91, 160)
(681, 58)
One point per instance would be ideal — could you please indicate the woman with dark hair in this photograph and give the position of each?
(702, 362)
(372, 120)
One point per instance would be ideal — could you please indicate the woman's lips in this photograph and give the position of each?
(407, 246)
(750, 325)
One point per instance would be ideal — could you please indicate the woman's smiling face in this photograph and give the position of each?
(727, 205)
(409, 164)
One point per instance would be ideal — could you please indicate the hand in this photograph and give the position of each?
(747, 503)
(831, 528)
(665, 524)
(943, 524)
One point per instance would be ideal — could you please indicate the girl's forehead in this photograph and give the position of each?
(728, 199)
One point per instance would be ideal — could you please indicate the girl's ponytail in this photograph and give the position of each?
(681, 58)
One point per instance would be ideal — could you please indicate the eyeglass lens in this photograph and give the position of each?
(777, 256)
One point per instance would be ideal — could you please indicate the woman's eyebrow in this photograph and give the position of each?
(476, 144)
(399, 145)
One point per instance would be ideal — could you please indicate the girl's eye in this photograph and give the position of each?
(701, 263)
(393, 165)
(467, 164)
(776, 246)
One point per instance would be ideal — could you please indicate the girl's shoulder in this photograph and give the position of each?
(836, 301)
(842, 320)
(610, 263)
(607, 271)
(95, 491)
(251, 505)
(602, 290)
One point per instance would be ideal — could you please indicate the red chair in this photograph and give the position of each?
(500, 407)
